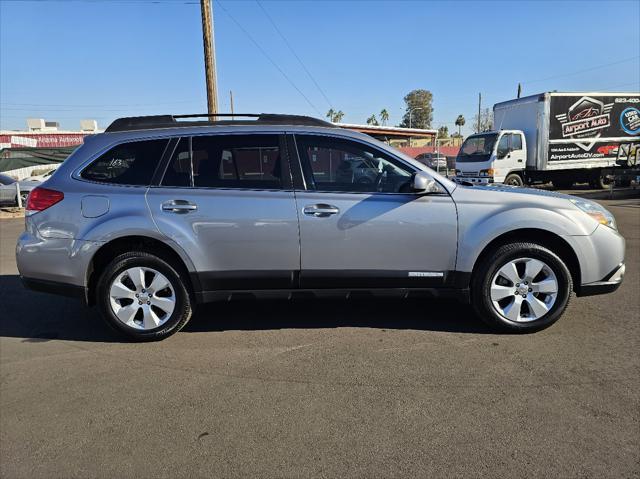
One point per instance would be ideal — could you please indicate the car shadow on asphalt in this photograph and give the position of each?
(41, 317)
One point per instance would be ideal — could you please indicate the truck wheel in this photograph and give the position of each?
(521, 287)
(513, 179)
(143, 296)
(563, 184)
(599, 182)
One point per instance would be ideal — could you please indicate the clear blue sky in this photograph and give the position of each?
(67, 60)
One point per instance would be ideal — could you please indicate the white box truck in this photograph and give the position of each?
(559, 137)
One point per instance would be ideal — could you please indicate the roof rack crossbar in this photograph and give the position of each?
(221, 115)
(170, 121)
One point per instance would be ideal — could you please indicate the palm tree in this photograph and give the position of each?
(460, 121)
(372, 120)
(331, 114)
(384, 116)
(337, 117)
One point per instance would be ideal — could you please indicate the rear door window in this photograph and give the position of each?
(226, 161)
(178, 172)
(127, 164)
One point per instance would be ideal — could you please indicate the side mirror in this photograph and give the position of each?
(423, 183)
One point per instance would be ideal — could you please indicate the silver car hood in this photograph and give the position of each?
(518, 190)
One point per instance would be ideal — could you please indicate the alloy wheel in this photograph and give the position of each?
(524, 289)
(142, 298)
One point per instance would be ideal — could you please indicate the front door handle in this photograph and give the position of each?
(179, 206)
(519, 161)
(320, 210)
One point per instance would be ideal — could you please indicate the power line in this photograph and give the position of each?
(635, 83)
(582, 71)
(65, 105)
(138, 2)
(284, 39)
(266, 55)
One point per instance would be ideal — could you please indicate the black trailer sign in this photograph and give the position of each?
(595, 127)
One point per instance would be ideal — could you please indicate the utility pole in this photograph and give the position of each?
(479, 104)
(231, 99)
(519, 90)
(209, 56)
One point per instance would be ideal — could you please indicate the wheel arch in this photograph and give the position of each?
(123, 244)
(544, 238)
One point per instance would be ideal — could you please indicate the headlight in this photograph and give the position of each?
(597, 212)
(488, 172)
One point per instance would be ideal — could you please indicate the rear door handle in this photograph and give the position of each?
(179, 206)
(320, 210)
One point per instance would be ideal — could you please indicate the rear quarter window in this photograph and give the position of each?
(127, 164)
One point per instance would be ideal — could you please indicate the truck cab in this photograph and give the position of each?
(493, 157)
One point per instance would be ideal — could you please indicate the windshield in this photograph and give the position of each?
(6, 180)
(477, 148)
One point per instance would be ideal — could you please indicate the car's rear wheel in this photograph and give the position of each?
(143, 296)
(521, 287)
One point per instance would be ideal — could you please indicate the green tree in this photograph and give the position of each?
(331, 114)
(384, 116)
(443, 131)
(419, 109)
(486, 121)
(460, 121)
(335, 116)
(372, 120)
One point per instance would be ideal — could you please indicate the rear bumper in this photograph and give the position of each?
(54, 260)
(609, 283)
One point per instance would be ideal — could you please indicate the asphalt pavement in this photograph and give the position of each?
(356, 388)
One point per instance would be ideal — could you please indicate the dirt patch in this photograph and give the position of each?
(12, 212)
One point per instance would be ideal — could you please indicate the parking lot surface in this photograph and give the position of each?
(336, 388)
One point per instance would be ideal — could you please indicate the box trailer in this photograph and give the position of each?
(559, 137)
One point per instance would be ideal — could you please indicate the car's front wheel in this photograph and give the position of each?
(521, 287)
(143, 296)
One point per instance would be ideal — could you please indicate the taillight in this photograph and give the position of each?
(42, 198)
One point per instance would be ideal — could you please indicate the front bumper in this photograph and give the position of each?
(609, 283)
(476, 180)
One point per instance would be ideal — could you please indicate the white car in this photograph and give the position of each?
(9, 193)
(43, 177)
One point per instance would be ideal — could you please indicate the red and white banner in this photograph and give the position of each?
(40, 140)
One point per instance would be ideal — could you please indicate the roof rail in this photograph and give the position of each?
(171, 121)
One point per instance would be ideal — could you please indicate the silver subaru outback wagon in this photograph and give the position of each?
(161, 213)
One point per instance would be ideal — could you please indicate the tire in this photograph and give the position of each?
(23, 196)
(562, 184)
(542, 309)
(599, 183)
(166, 310)
(514, 179)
